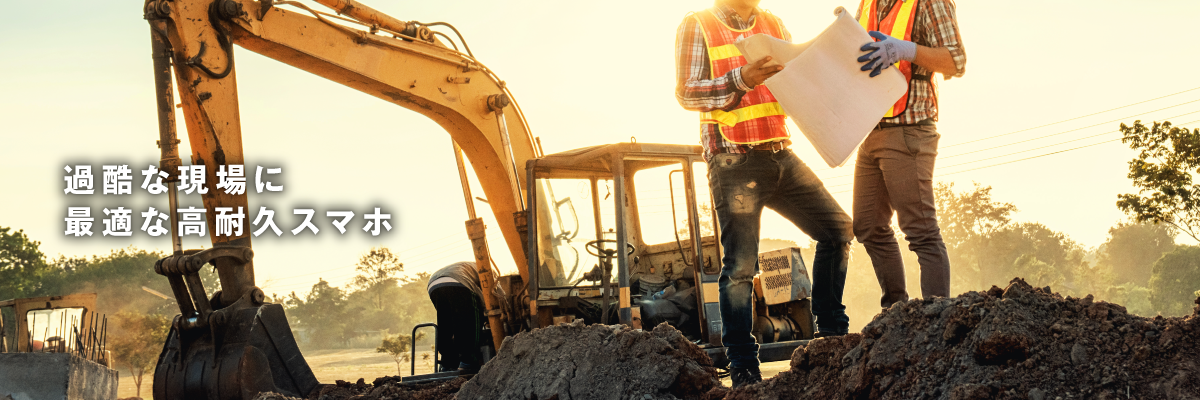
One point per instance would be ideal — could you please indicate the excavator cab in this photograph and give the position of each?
(627, 233)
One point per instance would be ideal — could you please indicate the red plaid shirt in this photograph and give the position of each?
(696, 90)
(935, 27)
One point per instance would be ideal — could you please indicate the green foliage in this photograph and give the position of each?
(399, 347)
(118, 279)
(335, 318)
(965, 215)
(377, 272)
(1175, 280)
(325, 313)
(137, 342)
(22, 265)
(1136, 299)
(1132, 249)
(1162, 171)
(968, 219)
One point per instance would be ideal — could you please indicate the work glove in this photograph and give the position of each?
(886, 51)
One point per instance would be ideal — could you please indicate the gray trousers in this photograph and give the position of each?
(894, 173)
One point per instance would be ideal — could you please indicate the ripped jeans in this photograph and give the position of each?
(742, 184)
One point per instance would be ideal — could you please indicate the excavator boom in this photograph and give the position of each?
(235, 345)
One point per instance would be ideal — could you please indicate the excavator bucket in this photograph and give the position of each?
(225, 351)
(253, 352)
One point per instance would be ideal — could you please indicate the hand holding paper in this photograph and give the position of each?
(822, 88)
(887, 51)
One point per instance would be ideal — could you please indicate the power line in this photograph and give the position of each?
(1052, 145)
(1027, 150)
(1055, 123)
(1030, 158)
(1072, 130)
(1033, 157)
(1072, 119)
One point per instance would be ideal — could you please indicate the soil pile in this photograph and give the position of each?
(387, 387)
(1014, 343)
(581, 362)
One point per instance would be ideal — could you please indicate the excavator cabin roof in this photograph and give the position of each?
(596, 161)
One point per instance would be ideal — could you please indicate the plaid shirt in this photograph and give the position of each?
(696, 90)
(935, 27)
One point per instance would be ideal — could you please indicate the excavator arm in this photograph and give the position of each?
(400, 62)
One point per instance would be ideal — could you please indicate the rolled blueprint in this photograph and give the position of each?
(823, 90)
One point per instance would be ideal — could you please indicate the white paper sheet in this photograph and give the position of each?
(822, 88)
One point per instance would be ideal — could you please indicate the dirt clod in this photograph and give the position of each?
(1018, 342)
(387, 387)
(582, 362)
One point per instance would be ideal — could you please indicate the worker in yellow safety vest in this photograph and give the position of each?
(894, 170)
(750, 167)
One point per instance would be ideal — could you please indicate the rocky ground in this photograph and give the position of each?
(1018, 342)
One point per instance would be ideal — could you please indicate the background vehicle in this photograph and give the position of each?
(575, 220)
(56, 348)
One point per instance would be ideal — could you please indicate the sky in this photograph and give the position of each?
(76, 88)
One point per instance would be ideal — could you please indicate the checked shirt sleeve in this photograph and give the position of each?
(694, 90)
(942, 31)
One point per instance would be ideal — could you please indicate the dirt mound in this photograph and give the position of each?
(387, 387)
(582, 362)
(1014, 343)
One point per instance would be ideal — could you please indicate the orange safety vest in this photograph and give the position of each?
(898, 24)
(758, 118)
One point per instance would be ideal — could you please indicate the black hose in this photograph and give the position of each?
(226, 45)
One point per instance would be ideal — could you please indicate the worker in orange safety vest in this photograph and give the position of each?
(750, 167)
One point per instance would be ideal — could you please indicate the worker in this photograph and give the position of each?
(894, 170)
(455, 293)
(750, 167)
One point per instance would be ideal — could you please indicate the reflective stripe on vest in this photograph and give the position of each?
(898, 24)
(758, 118)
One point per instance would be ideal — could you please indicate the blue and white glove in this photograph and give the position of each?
(885, 52)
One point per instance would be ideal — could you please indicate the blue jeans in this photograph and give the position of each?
(742, 184)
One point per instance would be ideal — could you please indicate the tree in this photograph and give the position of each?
(138, 342)
(968, 214)
(412, 303)
(1056, 255)
(398, 347)
(967, 220)
(1132, 249)
(22, 265)
(118, 279)
(1175, 280)
(1162, 171)
(325, 313)
(1136, 299)
(377, 272)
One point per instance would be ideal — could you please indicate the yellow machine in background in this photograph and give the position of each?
(570, 220)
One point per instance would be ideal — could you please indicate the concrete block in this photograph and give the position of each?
(54, 376)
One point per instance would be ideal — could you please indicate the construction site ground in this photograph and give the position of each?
(1016, 342)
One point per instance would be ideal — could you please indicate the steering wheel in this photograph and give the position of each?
(595, 245)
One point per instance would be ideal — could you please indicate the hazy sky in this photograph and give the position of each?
(76, 88)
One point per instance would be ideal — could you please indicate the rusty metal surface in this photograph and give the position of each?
(86, 301)
(487, 278)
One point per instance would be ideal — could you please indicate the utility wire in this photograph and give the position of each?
(1072, 119)
(1056, 144)
(1033, 157)
(1056, 123)
(1072, 130)
(1036, 148)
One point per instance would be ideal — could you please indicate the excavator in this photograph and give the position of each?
(576, 223)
